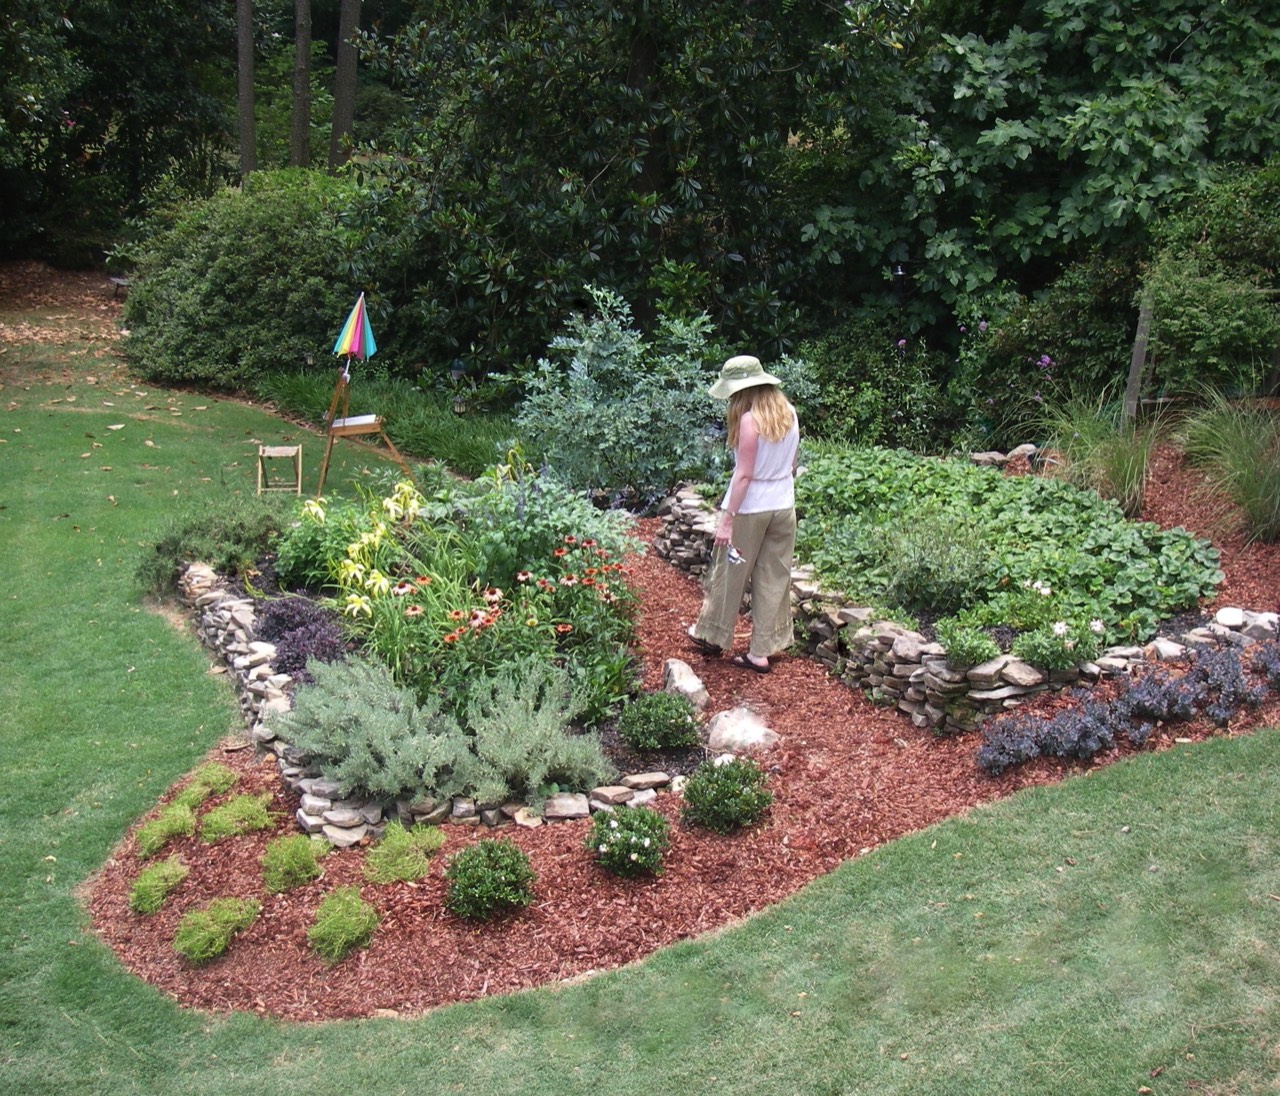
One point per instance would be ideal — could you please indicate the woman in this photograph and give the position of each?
(757, 524)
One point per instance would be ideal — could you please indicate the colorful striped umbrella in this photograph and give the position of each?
(356, 338)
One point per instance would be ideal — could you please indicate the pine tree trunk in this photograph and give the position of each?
(244, 83)
(344, 83)
(300, 121)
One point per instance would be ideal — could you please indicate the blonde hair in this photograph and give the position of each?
(771, 410)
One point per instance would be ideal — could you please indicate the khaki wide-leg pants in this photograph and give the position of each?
(767, 542)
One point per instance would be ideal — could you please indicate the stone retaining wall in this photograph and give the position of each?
(900, 667)
(225, 624)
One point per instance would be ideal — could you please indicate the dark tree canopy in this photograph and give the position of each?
(644, 146)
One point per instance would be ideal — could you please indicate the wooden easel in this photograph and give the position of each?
(347, 425)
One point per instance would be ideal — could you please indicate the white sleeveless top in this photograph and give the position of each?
(772, 483)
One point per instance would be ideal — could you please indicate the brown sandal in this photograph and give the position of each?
(745, 663)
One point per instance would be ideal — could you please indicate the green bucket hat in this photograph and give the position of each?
(738, 373)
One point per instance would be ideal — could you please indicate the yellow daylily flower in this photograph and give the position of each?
(351, 571)
(358, 605)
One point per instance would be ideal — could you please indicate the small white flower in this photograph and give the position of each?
(646, 842)
(635, 856)
(1045, 590)
(1097, 627)
(613, 823)
(604, 848)
(1060, 628)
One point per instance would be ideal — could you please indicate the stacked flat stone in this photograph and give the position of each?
(687, 537)
(225, 624)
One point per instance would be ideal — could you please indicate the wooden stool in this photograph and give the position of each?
(268, 452)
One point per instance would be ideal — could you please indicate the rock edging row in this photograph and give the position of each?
(900, 667)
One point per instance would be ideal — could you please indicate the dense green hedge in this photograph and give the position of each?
(249, 281)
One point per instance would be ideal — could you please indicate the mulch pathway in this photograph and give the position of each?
(846, 777)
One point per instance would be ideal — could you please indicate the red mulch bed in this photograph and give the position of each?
(846, 777)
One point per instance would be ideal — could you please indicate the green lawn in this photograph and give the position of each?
(1070, 940)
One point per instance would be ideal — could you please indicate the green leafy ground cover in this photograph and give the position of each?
(925, 534)
(1071, 939)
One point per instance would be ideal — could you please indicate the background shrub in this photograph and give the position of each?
(344, 921)
(489, 878)
(726, 796)
(1209, 327)
(623, 417)
(245, 282)
(1073, 338)
(658, 721)
(205, 933)
(873, 391)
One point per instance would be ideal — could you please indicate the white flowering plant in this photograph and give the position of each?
(1061, 644)
(629, 841)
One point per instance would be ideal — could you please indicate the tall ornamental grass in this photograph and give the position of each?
(1099, 450)
(1238, 446)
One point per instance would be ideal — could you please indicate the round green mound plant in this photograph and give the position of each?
(629, 841)
(658, 721)
(726, 795)
(489, 878)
